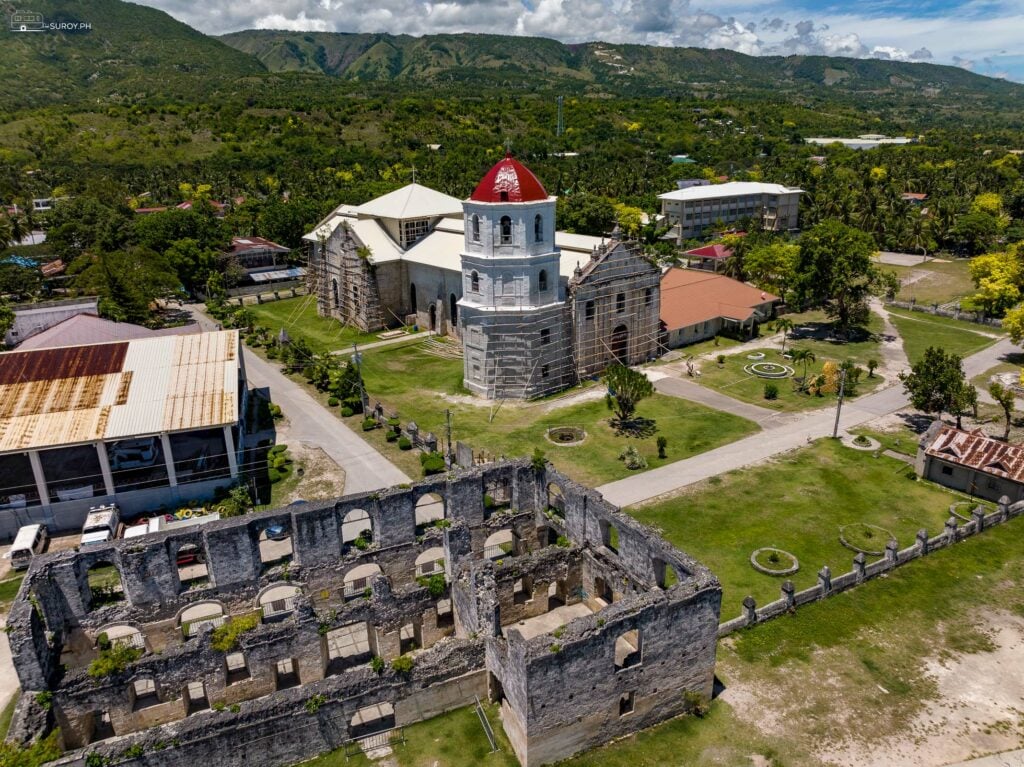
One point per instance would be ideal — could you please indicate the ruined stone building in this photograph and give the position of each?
(507, 581)
(535, 309)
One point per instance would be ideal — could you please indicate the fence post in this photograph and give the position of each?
(860, 566)
(825, 580)
(892, 549)
(750, 610)
(1003, 507)
(788, 594)
(979, 519)
(950, 531)
(922, 541)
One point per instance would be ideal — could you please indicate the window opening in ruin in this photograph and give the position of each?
(372, 719)
(542, 280)
(538, 230)
(412, 298)
(200, 614)
(195, 698)
(453, 309)
(144, 694)
(495, 691)
(626, 703)
(356, 530)
(334, 293)
(432, 314)
(546, 536)
(610, 536)
(557, 595)
(445, 616)
(429, 511)
(603, 590)
(275, 543)
(556, 501)
(102, 727)
(347, 646)
(497, 495)
(545, 371)
(410, 638)
(430, 562)
(522, 590)
(278, 602)
(628, 650)
(191, 564)
(235, 668)
(665, 575)
(105, 585)
(648, 297)
(506, 230)
(286, 674)
(500, 544)
(358, 579)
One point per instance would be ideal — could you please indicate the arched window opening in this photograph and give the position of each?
(506, 230)
(538, 228)
(476, 228)
(357, 581)
(275, 542)
(500, 545)
(628, 650)
(105, 585)
(356, 530)
(191, 563)
(453, 310)
(194, 617)
(474, 281)
(278, 601)
(430, 562)
(429, 511)
(556, 500)
(542, 280)
(412, 298)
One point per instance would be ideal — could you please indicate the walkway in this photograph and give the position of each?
(779, 438)
(311, 423)
(694, 392)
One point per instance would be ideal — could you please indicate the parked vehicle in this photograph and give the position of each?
(103, 524)
(30, 540)
(277, 533)
(133, 454)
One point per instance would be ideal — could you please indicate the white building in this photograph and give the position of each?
(694, 210)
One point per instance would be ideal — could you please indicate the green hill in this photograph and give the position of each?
(626, 69)
(130, 51)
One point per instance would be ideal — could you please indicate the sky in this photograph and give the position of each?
(983, 36)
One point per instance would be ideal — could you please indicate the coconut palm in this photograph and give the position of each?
(806, 356)
(785, 324)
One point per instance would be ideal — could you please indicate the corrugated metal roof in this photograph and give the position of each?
(977, 450)
(78, 394)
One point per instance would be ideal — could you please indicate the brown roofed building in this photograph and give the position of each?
(697, 304)
(971, 462)
(90, 329)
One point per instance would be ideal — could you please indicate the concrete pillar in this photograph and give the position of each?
(229, 445)
(37, 474)
(172, 477)
(108, 477)
(860, 566)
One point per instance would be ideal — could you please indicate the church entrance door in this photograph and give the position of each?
(620, 344)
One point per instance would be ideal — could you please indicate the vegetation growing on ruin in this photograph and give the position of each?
(225, 637)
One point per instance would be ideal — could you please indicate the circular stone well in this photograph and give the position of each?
(865, 539)
(756, 356)
(566, 435)
(772, 561)
(768, 370)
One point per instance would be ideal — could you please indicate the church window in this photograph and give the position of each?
(620, 303)
(648, 297)
(414, 230)
(334, 291)
(506, 230)
(589, 310)
(538, 228)
(542, 280)
(474, 281)
(476, 228)
(544, 371)
(508, 284)
(545, 337)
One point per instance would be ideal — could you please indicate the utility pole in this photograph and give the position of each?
(357, 359)
(839, 404)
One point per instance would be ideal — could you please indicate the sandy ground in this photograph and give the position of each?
(321, 479)
(978, 708)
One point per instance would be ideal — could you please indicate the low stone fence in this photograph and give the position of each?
(957, 314)
(863, 571)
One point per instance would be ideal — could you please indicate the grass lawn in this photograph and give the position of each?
(9, 590)
(299, 318)
(421, 387)
(934, 282)
(919, 331)
(796, 503)
(7, 714)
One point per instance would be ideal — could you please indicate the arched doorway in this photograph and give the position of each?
(412, 298)
(620, 344)
(453, 310)
(433, 316)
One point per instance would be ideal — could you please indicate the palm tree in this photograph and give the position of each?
(805, 356)
(785, 324)
(6, 232)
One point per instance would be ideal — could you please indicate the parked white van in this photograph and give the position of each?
(103, 524)
(29, 541)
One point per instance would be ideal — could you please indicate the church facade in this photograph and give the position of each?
(535, 310)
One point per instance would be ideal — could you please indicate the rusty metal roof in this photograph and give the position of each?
(69, 395)
(977, 450)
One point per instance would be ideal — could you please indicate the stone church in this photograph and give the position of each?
(536, 310)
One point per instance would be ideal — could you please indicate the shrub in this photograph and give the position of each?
(218, 706)
(103, 641)
(45, 699)
(562, 542)
(353, 402)
(556, 648)
(273, 475)
(378, 664)
(363, 541)
(632, 458)
(225, 637)
(721, 359)
(113, 660)
(134, 751)
(435, 584)
(662, 444)
(538, 461)
(404, 443)
(696, 703)
(433, 463)
(488, 501)
(347, 411)
(402, 664)
(771, 391)
(94, 759)
(280, 461)
(333, 402)
(275, 411)
(278, 449)
(314, 702)
(369, 424)
(391, 436)
(393, 421)
(234, 708)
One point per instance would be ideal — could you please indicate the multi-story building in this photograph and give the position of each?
(691, 212)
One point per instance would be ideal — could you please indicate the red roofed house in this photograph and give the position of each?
(254, 253)
(971, 462)
(696, 305)
(709, 257)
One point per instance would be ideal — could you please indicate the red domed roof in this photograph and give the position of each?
(509, 181)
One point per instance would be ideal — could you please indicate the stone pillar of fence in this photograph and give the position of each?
(1003, 507)
(951, 530)
(430, 442)
(860, 562)
(750, 609)
(978, 515)
(892, 550)
(412, 431)
(789, 594)
(922, 541)
(825, 579)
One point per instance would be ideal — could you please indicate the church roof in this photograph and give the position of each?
(412, 201)
(509, 181)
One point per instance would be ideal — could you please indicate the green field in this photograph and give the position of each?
(920, 330)
(796, 503)
(935, 282)
(299, 319)
(420, 387)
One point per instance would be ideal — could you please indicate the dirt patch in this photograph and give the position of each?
(321, 477)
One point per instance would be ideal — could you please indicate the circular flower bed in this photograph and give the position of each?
(962, 509)
(862, 442)
(566, 435)
(865, 539)
(769, 370)
(772, 561)
(756, 356)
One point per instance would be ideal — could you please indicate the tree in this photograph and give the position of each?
(1013, 323)
(937, 384)
(998, 277)
(6, 319)
(1005, 398)
(128, 282)
(585, 213)
(785, 324)
(835, 271)
(975, 232)
(805, 356)
(629, 219)
(627, 388)
(772, 267)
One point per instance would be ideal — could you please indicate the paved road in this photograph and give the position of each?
(684, 389)
(777, 438)
(312, 423)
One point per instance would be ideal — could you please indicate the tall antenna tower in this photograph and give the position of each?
(560, 129)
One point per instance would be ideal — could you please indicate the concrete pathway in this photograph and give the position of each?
(893, 357)
(311, 423)
(778, 438)
(686, 389)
